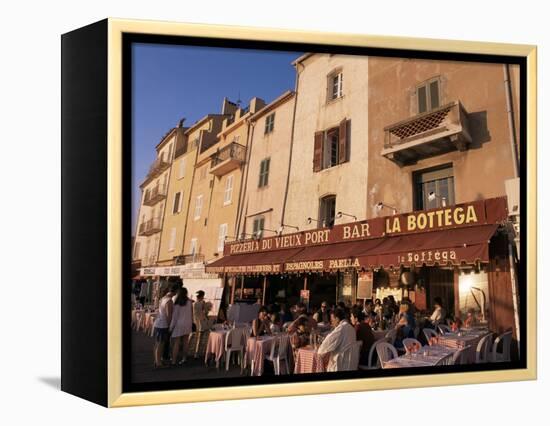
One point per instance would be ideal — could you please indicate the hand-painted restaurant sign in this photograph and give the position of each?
(460, 215)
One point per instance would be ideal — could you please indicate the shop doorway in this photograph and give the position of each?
(440, 283)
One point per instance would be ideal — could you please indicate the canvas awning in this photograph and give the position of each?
(452, 246)
(267, 262)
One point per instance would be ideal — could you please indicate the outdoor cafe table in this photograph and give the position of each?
(309, 361)
(467, 337)
(256, 350)
(215, 346)
(427, 356)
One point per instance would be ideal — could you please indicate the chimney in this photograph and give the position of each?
(256, 104)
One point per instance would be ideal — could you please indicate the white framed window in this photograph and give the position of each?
(428, 95)
(228, 193)
(198, 207)
(222, 233)
(172, 244)
(178, 202)
(335, 85)
(194, 245)
(181, 169)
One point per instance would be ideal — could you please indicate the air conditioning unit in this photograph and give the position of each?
(512, 192)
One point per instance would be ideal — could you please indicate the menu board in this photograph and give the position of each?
(364, 285)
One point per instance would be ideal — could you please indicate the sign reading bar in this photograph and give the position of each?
(460, 215)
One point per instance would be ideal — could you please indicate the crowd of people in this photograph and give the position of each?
(331, 328)
(178, 316)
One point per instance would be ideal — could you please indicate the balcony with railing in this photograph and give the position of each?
(156, 169)
(154, 195)
(227, 159)
(150, 227)
(431, 133)
(189, 258)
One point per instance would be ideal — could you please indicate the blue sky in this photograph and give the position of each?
(172, 82)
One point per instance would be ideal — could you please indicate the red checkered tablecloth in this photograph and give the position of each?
(454, 341)
(256, 350)
(309, 361)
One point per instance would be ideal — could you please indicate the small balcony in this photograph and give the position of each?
(428, 134)
(150, 227)
(189, 258)
(154, 195)
(156, 169)
(227, 159)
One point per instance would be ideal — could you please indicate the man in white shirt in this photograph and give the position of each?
(339, 339)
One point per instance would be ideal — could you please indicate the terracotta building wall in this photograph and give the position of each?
(480, 171)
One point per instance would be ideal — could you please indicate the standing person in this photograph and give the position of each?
(323, 314)
(143, 293)
(339, 339)
(162, 324)
(363, 333)
(181, 324)
(200, 319)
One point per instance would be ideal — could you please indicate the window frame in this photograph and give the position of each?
(255, 228)
(322, 210)
(228, 200)
(176, 209)
(269, 123)
(220, 239)
(172, 240)
(426, 84)
(181, 169)
(198, 207)
(446, 172)
(337, 74)
(263, 180)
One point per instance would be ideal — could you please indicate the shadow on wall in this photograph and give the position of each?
(478, 129)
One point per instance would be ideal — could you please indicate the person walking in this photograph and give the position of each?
(181, 325)
(162, 324)
(200, 318)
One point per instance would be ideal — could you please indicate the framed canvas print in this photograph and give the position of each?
(250, 212)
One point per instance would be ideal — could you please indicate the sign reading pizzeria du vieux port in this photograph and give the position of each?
(460, 215)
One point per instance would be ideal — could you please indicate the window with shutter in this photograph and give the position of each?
(181, 170)
(428, 95)
(269, 123)
(264, 173)
(327, 211)
(198, 207)
(176, 208)
(343, 143)
(172, 244)
(258, 226)
(335, 85)
(318, 151)
(136, 250)
(222, 233)
(194, 244)
(228, 193)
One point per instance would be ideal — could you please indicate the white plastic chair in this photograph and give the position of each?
(286, 324)
(234, 343)
(386, 352)
(279, 352)
(391, 335)
(483, 349)
(504, 356)
(429, 333)
(447, 360)
(459, 357)
(409, 341)
(444, 328)
(350, 357)
(371, 365)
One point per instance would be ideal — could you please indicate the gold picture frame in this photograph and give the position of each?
(116, 28)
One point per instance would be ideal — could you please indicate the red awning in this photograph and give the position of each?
(452, 246)
(259, 262)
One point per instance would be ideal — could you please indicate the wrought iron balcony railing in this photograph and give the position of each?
(228, 158)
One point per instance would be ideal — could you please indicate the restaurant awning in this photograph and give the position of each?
(451, 246)
(267, 262)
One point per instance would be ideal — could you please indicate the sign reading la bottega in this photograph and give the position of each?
(460, 215)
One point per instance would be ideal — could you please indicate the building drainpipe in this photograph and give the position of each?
(515, 163)
(296, 86)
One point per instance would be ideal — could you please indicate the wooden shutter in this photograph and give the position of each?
(343, 142)
(318, 151)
